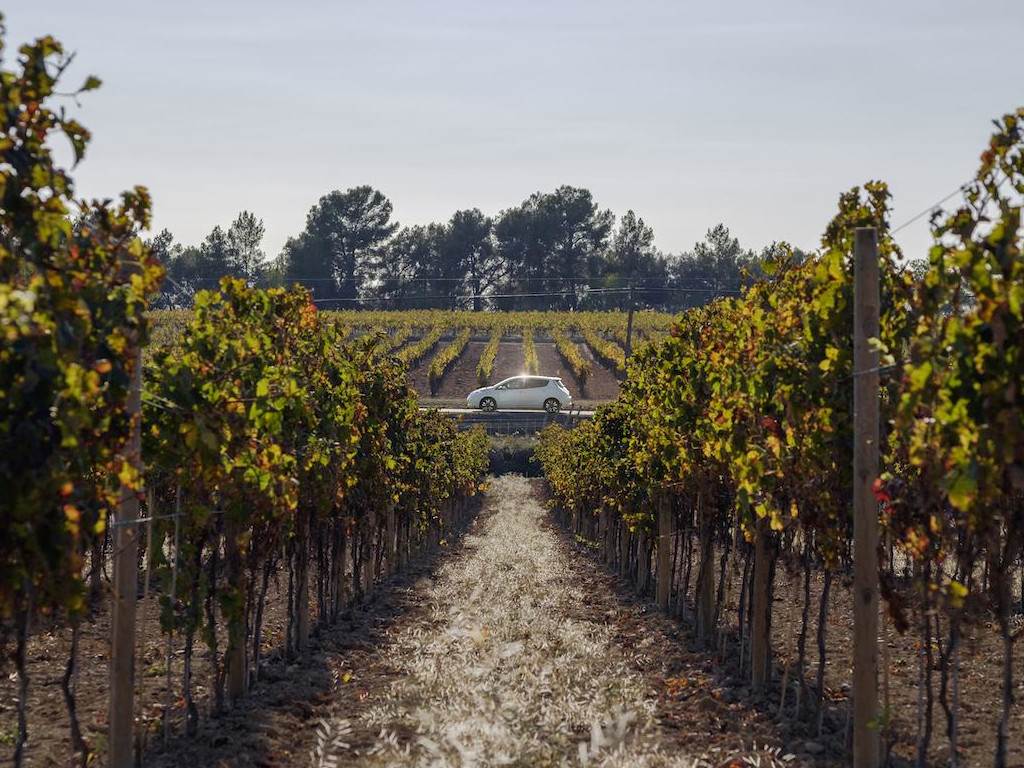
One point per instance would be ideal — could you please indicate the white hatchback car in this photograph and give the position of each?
(522, 393)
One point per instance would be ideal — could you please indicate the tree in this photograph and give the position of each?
(553, 243)
(334, 254)
(632, 258)
(520, 250)
(177, 291)
(468, 249)
(247, 260)
(213, 258)
(409, 270)
(581, 233)
(717, 266)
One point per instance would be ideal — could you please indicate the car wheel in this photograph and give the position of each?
(551, 405)
(488, 404)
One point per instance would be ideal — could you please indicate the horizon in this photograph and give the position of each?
(392, 97)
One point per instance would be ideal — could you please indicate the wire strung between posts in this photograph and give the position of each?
(172, 516)
(881, 370)
(933, 207)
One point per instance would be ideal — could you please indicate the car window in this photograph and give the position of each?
(515, 383)
(536, 383)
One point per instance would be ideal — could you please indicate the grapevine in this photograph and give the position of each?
(485, 365)
(417, 349)
(446, 358)
(530, 362)
(740, 423)
(571, 354)
(608, 351)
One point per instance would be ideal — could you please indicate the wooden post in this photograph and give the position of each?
(759, 623)
(236, 651)
(607, 536)
(174, 596)
(392, 540)
(664, 550)
(705, 576)
(125, 586)
(643, 562)
(629, 322)
(865, 507)
(301, 607)
(368, 551)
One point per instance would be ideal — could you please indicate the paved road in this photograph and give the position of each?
(507, 413)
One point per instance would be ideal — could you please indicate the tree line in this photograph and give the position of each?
(554, 251)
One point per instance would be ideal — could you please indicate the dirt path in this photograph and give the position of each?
(504, 667)
(517, 658)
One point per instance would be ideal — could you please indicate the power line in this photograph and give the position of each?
(583, 280)
(544, 294)
(930, 208)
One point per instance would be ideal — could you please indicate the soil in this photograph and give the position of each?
(461, 377)
(512, 647)
(514, 644)
(508, 362)
(603, 379)
(419, 378)
(980, 675)
(600, 387)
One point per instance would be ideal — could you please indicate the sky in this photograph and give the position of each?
(754, 114)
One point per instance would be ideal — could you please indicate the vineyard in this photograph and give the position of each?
(722, 477)
(252, 466)
(450, 353)
(235, 535)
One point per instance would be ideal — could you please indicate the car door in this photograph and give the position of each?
(509, 393)
(534, 392)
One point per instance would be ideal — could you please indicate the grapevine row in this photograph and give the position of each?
(485, 365)
(579, 366)
(446, 358)
(608, 351)
(412, 353)
(269, 442)
(737, 431)
(294, 451)
(531, 364)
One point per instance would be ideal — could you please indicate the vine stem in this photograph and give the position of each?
(173, 600)
(68, 688)
(19, 661)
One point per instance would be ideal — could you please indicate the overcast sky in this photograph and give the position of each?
(755, 114)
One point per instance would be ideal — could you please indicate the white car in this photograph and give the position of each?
(522, 393)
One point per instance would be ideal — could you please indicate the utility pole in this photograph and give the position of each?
(865, 506)
(632, 303)
(629, 322)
